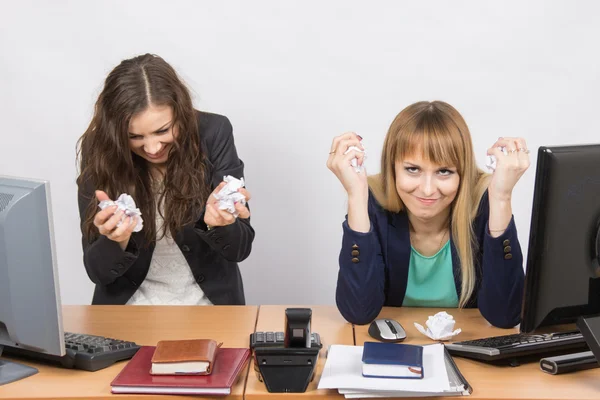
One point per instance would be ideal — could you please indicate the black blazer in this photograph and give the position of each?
(212, 255)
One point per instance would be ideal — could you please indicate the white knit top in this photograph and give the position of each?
(169, 280)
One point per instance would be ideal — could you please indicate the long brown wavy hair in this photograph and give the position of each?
(107, 163)
(441, 133)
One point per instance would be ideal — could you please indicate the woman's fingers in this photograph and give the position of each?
(103, 215)
(121, 232)
(226, 216)
(101, 195)
(112, 222)
(338, 160)
(344, 136)
(345, 144)
(212, 198)
(359, 155)
(242, 210)
(245, 193)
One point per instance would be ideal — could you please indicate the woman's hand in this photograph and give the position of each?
(213, 216)
(340, 164)
(355, 183)
(509, 167)
(106, 221)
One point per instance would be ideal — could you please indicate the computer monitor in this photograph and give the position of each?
(562, 279)
(30, 309)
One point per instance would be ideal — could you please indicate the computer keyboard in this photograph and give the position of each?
(517, 345)
(85, 352)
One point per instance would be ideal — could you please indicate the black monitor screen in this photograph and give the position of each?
(563, 275)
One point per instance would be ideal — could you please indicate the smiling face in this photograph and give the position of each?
(426, 189)
(152, 133)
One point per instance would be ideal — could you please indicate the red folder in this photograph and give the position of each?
(135, 376)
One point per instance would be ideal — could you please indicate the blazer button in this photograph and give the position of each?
(507, 249)
(185, 248)
(506, 242)
(507, 256)
(355, 260)
(355, 253)
(200, 278)
(355, 246)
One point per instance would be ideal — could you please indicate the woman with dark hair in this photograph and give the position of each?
(146, 139)
(432, 229)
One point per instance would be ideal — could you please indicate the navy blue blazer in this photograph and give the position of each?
(376, 275)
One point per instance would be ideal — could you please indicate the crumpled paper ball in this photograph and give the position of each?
(125, 202)
(354, 161)
(491, 160)
(229, 195)
(439, 327)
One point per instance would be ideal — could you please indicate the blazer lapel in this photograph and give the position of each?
(398, 258)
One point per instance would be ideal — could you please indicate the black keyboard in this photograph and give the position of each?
(85, 352)
(276, 339)
(517, 345)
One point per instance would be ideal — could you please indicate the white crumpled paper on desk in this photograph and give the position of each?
(439, 327)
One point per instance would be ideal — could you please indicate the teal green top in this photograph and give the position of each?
(431, 280)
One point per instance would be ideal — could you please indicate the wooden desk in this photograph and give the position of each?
(488, 381)
(333, 329)
(145, 325)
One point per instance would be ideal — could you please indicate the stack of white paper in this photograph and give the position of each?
(343, 371)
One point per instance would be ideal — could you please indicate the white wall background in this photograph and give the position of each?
(290, 76)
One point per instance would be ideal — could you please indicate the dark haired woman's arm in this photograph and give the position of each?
(104, 260)
(501, 292)
(360, 291)
(234, 241)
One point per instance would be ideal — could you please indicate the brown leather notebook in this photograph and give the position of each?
(184, 357)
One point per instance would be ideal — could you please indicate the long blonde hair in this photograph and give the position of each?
(440, 132)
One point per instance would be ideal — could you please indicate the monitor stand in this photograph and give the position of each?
(12, 371)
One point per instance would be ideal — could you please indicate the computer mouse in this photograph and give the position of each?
(387, 330)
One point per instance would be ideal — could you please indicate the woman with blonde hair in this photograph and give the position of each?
(432, 229)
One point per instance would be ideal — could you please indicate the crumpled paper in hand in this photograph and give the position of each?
(491, 160)
(354, 161)
(439, 327)
(229, 194)
(125, 202)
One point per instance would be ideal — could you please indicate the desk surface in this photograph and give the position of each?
(327, 321)
(494, 382)
(145, 325)
(232, 325)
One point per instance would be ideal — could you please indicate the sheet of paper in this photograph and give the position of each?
(343, 370)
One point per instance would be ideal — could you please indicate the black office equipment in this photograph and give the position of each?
(590, 329)
(297, 327)
(563, 264)
(387, 330)
(286, 369)
(285, 361)
(31, 322)
(517, 345)
(85, 352)
(276, 339)
(563, 274)
(568, 363)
